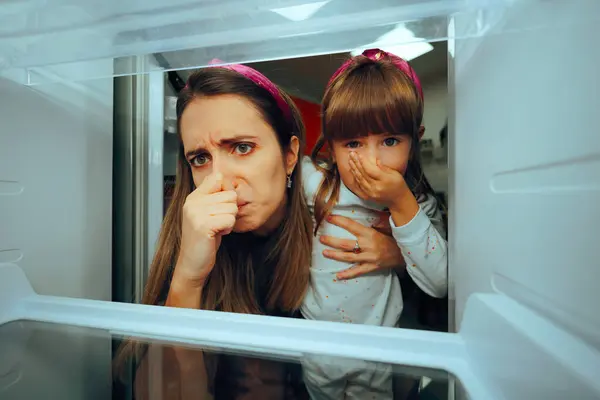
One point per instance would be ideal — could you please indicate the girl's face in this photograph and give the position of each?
(393, 151)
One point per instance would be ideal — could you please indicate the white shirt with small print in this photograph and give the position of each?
(376, 298)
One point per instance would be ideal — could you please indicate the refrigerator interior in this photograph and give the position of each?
(304, 79)
(523, 190)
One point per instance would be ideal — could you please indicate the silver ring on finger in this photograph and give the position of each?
(356, 248)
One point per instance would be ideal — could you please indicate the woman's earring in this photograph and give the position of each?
(289, 181)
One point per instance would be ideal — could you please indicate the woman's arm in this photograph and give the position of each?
(174, 373)
(209, 212)
(379, 250)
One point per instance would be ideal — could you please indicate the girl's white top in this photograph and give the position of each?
(373, 299)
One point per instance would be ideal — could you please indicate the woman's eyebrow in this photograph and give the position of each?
(236, 138)
(194, 152)
(223, 141)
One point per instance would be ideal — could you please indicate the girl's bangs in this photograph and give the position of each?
(371, 102)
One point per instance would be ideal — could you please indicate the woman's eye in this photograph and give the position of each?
(199, 160)
(391, 142)
(243, 148)
(352, 145)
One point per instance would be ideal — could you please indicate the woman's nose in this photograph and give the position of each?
(221, 164)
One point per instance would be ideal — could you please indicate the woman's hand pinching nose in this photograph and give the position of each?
(209, 212)
(229, 184)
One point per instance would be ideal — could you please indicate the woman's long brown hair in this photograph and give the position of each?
(369, 97)
(230, 286)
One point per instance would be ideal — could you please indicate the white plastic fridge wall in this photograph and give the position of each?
(525, 189)
(55, 207)
(524, 165)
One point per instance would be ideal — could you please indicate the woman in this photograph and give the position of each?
(237, 235)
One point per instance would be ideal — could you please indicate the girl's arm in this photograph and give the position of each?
(424, 247)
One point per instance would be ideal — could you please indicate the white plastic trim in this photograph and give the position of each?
(503, 351)
(14, 287)
(259, 334)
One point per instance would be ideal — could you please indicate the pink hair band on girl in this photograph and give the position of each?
(258, 79)
(376, 55)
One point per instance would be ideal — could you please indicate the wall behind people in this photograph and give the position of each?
(311, 115)
(435, 92)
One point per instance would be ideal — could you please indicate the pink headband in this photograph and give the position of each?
(258, 79)
(376, 55)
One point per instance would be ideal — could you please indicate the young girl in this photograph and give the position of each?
(372, 114)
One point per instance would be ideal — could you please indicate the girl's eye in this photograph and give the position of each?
(199, 160)
(352, 145)
(243, 148)
(389, 142)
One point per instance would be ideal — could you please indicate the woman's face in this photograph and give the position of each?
(393, 151)
(227, 134)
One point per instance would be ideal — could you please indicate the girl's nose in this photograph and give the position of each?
(373, 152)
